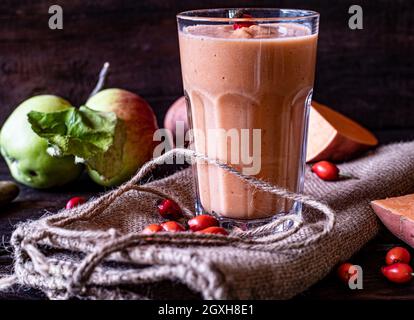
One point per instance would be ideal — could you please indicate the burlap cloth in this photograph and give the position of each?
(91, 253)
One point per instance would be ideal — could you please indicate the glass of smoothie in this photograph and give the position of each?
(248, 77)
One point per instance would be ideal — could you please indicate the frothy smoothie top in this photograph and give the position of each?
(264, 31)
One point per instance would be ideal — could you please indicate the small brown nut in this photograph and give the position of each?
(8, 192)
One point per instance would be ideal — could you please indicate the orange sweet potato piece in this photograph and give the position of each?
(397, 214)
(333, 136)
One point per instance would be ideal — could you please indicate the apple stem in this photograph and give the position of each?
(101, 80)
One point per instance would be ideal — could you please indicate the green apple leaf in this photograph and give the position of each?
(97, 138)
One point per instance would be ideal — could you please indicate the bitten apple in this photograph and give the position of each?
(140, 124)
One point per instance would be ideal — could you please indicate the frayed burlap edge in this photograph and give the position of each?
(62, 279)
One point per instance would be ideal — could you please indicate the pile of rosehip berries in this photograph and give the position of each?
(168, 209)
(397, 269)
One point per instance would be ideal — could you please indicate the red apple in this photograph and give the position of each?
(140, 124)
(177, 112)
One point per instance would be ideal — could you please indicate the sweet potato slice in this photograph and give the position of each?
(333, 136)
(397, 214)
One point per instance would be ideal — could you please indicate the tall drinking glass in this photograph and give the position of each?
(248, 78)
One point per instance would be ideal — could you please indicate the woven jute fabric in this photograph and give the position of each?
(96, 250)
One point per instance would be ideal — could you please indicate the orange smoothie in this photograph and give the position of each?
(256, 78)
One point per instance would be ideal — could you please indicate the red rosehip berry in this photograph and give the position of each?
(172, 226)
(243, 24)
(214, 230)
(74, 202)
(168, 209)
(398, 272)
(326, 170)
(397, 254)
(344, 273)
(202, 222)
(152, 228)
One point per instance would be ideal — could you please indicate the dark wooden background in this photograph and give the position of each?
(367, 74)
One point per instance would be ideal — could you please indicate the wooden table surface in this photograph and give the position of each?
(365, 74)
(31, 204)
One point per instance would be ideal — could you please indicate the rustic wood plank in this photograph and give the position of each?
(366, 74)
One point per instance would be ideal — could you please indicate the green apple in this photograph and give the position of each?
(140, 124)
(26, 153)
